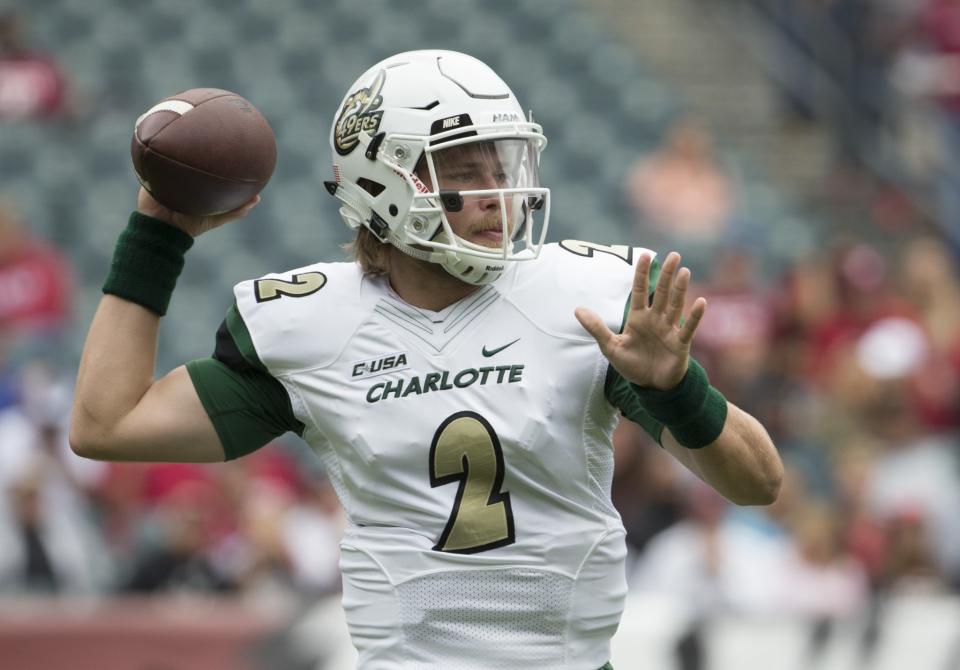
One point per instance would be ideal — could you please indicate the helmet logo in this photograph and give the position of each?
(451, 122)
(419, 185)
(361, 112)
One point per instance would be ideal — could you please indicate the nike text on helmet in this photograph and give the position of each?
(426, 134)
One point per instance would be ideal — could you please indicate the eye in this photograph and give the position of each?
(463, 177)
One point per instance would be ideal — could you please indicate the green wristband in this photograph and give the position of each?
(693, 410)
(146, 262)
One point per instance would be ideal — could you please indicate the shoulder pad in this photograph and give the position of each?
(574, 274)
(301, 318)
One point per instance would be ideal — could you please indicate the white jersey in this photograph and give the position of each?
(471, 450)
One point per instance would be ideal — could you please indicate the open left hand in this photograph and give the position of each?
(653, 350)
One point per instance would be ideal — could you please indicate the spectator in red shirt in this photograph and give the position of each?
(864, 295)
(931, 283)
(32, 85)
(35, 301)
(940, 28)
(35, 285)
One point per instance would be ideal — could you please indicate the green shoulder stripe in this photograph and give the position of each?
(241, 338)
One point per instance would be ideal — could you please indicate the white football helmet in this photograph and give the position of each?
(427, 134)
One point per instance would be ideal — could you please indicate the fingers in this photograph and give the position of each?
(146, 204)
(240, 211)
(661, 295)
(247, 207)
(250, 204)
(670, 295)
(641, 283)
(678, 296)
(593, 324)
(693, 320)
(211, 222)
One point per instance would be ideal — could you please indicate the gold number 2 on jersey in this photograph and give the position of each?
(303, 284)
(589, 249)
(466, 449)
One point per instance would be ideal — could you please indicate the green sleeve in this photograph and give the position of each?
(247, 406)
(620, 395)
(617, 389)
(248, 409)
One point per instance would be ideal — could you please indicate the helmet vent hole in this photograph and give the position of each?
(393, 210)
(372, 187)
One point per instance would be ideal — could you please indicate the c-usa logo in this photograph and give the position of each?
(361, 111)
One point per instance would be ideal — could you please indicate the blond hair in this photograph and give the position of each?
(372, 254)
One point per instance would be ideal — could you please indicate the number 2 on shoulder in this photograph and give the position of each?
(589, 249)
(303, 284)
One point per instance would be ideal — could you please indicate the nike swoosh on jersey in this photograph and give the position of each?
(494, 352)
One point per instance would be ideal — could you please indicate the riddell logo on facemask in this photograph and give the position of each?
(419, 185)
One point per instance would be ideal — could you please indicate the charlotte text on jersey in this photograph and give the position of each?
(440, 381)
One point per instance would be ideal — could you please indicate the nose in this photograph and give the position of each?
(488, 202)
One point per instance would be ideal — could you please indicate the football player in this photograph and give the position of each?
(460, 380)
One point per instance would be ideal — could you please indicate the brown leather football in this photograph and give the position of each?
(203, 151)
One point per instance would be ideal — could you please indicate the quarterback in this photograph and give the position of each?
(460, 379)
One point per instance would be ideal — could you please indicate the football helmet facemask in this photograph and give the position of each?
(425, 135)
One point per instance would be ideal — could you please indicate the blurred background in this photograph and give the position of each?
(802, 155)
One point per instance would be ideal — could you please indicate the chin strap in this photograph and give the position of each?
(419, 254)
(464, 267)
(472, 270)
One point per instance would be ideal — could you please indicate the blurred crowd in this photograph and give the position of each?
(850, 356)
(266, 526)
(684, 196)
(884, 76)
(851, 359)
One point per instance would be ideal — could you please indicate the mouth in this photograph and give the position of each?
(491, 237)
